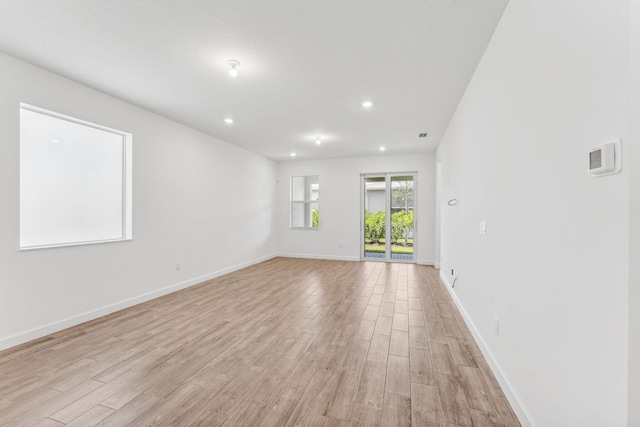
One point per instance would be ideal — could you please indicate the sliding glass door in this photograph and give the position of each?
(388, 226)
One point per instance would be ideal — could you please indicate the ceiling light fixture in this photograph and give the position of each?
(318, 140)
(367, 104)
(293, 154)
(233, 71)
(382, 148)
(228, 121)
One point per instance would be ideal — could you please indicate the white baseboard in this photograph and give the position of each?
(342, 258)
(316, 256)
(42, 331)
(523, 415)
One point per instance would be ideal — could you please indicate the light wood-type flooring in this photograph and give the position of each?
(285, 342)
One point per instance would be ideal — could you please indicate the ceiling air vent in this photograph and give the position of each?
(422, 135)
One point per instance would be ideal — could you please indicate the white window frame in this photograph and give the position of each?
(306, 202)
(127, 184)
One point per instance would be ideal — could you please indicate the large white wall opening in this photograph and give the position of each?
(75, 181)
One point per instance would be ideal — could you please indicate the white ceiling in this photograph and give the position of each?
(305, 66)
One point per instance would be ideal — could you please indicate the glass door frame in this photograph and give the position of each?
(387, 179)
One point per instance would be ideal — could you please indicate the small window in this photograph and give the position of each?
(75, 181)
(305, 198)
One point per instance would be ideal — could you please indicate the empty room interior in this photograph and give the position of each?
(323, 213)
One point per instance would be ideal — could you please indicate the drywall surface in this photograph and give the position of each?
(553, 266)
(634, 215)
(197, 201)
(338, 236)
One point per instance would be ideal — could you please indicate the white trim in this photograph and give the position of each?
(523, 415)
(426, 262)
(316, 256)
(42, 331)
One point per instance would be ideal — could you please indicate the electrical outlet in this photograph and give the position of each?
(453, 272)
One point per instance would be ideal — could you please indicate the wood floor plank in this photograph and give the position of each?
(398, 376)
(342, 401)
(396, 410)
(435, 332)
(383, 326)
(249, 414)
(21, 414)
(478, 394)
(285, 342)
(418, 337)
(421, 367)
(400, 321)
(484, 419)
(446, 310)
(344, 335)
(371, 388)
(92, 417)
(451, 327)
(371, 312)
(96, 397)
(315, 400)
(279, 412)
(137, 406)
(460, 352)
(415, 303)
(48, 422)
(386, 309)
(376, 299)
(425, 406)
(301, 345)
(401, 306)
(442, 360)
(453, 399)
(389, 296)
(416, 318)
(356, 355)
(399, 343)
(365, 330)
(379, 349)
(365, 416)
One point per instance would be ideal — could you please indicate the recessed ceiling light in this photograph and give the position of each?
(367, 104)
(382, 148)
(228, 121)
(233, 71)
(293, 154)
(318, 140)
(55, 141)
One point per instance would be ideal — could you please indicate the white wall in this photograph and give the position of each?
(198, 201)
(634, 216)
(554, 265)
(340, 205)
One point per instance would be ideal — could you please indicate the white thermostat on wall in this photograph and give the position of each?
(605, 159)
